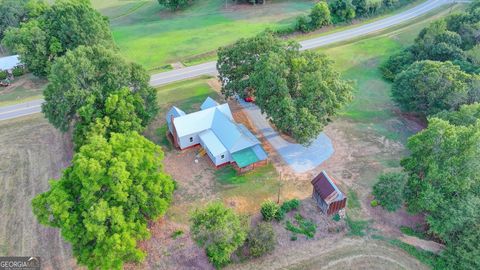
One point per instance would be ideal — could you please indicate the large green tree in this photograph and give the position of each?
(62, 26)
(88, 75)
(465, 116)
(444, 182)
(219, 230)
(428, 87)
(104, 199)
(299, 92)
(236, 62)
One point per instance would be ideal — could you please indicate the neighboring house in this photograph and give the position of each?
(327, 195)
(9, 62)
(215, 130)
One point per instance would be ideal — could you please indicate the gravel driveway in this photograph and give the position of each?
(300, 158)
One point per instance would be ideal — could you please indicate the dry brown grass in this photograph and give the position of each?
(32, 152)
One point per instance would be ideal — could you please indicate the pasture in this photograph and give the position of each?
(155, 37)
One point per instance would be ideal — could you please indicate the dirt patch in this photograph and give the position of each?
(423, 244)
(32, 152)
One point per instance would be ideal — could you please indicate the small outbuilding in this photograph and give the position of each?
(327, 195)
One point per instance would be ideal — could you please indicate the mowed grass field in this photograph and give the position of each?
(149, 34)
(32, 152)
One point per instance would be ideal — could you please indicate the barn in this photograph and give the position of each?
(327, 195)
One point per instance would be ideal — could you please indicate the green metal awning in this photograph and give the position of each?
(245, 157)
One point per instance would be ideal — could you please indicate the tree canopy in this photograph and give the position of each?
(236, 62)
(453, 38)
(117, 113)
(175, 4)
(299, 92)
(14, 12)
(87, 75)
(444, 182)
(428, 87)
(103, 200)
(59, 27)
(388, 191)
(219, 230)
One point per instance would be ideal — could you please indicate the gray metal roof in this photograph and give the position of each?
(9, 62)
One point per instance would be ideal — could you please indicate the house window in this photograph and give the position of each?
(191, 139)
(222, 156)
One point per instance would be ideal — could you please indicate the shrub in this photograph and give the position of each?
(18, 71)
(286, 207)
(293, 237)
(303, 24)
(219, 230)
(320, 15)
(261, 239)
(305, 227)
(177, 233)
(388, 191)
(342, 10)
(3, 75)
(290, 205)
(269, 210)
(374, 203)
(336, 217)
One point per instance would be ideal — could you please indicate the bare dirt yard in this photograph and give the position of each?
(32, 152)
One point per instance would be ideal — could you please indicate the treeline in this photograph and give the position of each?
(115, 182)
(440, 70)
(437, 78)
(330, 12)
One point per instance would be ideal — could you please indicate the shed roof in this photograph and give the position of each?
(9, 62)
(326, 188)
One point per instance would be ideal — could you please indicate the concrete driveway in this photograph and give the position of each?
(300, 158)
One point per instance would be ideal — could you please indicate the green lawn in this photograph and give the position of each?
(27, 88)
(154, 37)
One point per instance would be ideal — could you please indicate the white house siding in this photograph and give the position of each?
(184, 141)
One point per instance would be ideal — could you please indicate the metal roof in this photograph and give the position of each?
(9, 62)
(209, 103)
(212, 142)
(326, 188)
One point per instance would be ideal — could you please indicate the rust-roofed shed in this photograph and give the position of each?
(327, 195)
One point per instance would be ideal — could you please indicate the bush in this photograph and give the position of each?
(177, 233)
(3, 75)
(320, 15)
(305, 227)
(290, 205)
(269, 210)
(18, 71)
(388, 191)
(374, 203)
(336, 217)
(342, 10)
(261, 239)
(303, 24)
(219, 230)
(286, 207)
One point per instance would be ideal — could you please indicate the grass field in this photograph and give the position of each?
(154, 37)
(23, 89)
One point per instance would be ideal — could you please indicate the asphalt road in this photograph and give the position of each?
(209, 68)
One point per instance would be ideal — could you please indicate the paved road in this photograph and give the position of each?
(210, 67)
